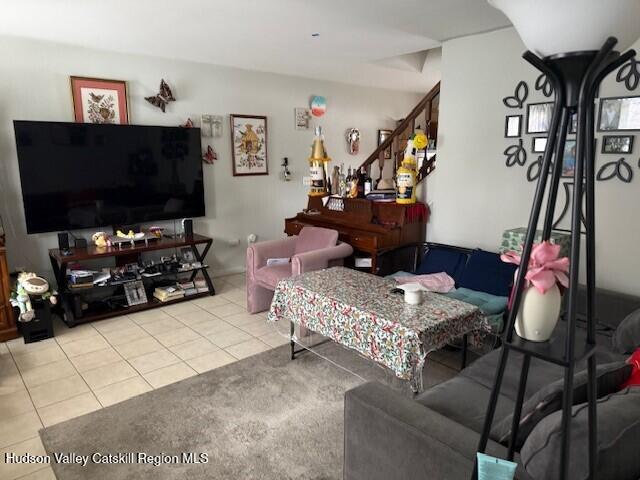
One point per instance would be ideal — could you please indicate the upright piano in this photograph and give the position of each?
(368, 226)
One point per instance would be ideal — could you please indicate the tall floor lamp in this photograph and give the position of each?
(575, 51)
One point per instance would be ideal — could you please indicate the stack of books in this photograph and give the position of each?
(201, 285)
(187, 287)
(165, 294)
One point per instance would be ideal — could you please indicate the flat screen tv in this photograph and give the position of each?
(81, 175)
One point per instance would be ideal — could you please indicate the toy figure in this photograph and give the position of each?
(20, 296)
(100, 239)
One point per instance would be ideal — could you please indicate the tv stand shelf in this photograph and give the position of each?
(125, 254)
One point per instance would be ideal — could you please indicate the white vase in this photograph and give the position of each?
(538, 313)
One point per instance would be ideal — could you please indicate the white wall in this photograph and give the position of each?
(34, 81)
(475, 197)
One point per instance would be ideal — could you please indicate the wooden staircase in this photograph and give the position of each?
(424, 116)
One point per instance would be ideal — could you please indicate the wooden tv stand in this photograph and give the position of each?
(124, 255)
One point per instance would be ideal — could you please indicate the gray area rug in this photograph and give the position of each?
(264, 417)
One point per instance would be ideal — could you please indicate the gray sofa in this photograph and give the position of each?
(435, 436)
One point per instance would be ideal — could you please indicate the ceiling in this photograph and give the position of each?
(379, 43)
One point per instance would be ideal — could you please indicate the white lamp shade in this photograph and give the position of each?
(549, 27)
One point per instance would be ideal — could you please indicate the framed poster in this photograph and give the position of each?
(539, 117)
(382, 136)
(619, 113)
(97, 100)
(249, 145)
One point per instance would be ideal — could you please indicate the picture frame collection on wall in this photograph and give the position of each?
(615, 114)
(99, 100)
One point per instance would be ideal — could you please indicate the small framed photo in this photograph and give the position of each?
(619, 113)
(249, 145)
(135, 293)
(569, 158)
(538, 144)
(620, 144)
(382, 136)
(302, 118)
(539, 117)
(97, 100)
(187, 255)
(513, 126)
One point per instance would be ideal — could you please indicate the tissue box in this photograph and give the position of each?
(513, 239)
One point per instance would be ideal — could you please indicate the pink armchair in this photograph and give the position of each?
(313, 249)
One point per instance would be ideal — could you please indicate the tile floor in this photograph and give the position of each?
(98, 364)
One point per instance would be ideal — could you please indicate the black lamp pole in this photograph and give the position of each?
(575, 78)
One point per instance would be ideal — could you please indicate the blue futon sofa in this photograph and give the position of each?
(481, 278)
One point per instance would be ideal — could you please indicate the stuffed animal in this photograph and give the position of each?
(20, 296)
(100, 239)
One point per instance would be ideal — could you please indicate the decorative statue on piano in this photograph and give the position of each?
(318, 166)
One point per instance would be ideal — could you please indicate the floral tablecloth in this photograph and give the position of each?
(358, 311)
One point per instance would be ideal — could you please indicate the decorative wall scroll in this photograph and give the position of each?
(516, 154)
(519, 96)
(629, 74)
(616, 168)
(543, 84)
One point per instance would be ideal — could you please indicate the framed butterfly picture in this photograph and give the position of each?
(97, 100)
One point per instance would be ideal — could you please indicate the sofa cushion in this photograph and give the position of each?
(549, 399)
(442, 259)
(433, 282)
(271, 275)
(485, 272)
(483, 371)
(315, 238)
(627, 336)
(618, 425)
(487, 303)
(464, 401)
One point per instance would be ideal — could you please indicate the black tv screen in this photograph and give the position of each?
(81, 175)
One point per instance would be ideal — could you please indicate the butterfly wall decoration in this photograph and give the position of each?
(163, 97)
(187, 124)
(210, 155)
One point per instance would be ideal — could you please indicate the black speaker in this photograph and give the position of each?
(63, 241)
(187, 226)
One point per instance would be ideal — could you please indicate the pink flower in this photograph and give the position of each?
(545, 268)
